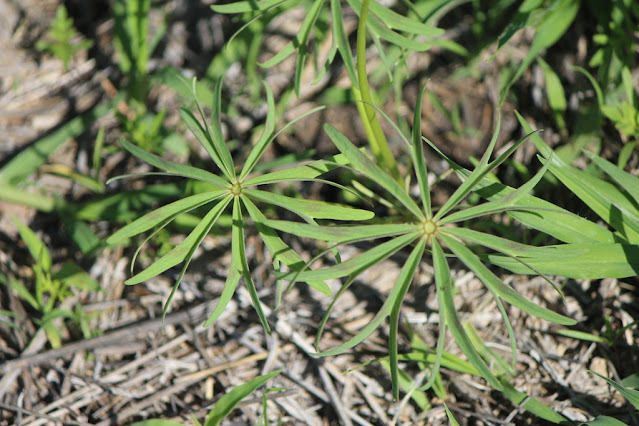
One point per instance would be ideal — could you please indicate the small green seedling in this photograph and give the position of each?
(52, 287)
(61, 39)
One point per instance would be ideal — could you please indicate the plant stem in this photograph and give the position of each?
(376, 138)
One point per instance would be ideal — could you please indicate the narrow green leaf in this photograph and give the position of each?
(215, 130)
(361, 262)
(246, 6)
(239, 252)
(343, 46)
(555, 93)
(304, 172)
(400, 22)
(531, 405)
(185, 248)
(159, 215)
(229, 401)
(605, 199)
(406, 275)
(419, 159)
(232, 279)
(474, 178)
(369, 169)
(309, 208)
(265, 137)
(204, 138)
(445, 288)
(37, 248)
(579, 261)
(505, 203)
(342, 234)
(630, 394)
(498, 287)
(403, 282)
(627, 181)
(278, 249)
(175, 168)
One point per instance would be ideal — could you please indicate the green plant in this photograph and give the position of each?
(576, 247)
(51, 287)
(233, 189)
(62, 38)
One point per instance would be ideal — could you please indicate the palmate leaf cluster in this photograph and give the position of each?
(232, 190)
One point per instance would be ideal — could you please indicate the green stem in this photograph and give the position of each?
(376, 137)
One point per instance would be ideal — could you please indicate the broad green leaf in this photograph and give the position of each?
(309, 208)
(445, 289)
(175, 168)
(517, 23)
(185, 248)
(238, 252)
(498, 287)
(369, 169)
(361, 262)
(342, 234)
(278, 249)
(38, 250)
(530, 404)
(229, 401)
(403, 282)
(155, 217)
(579, 261)
(246, 6)
(419, 159)
(398, 288)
